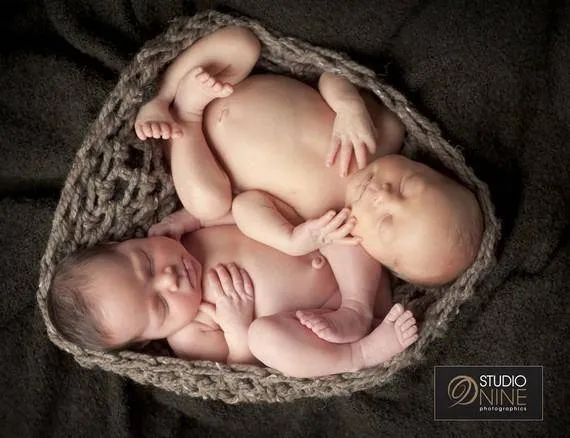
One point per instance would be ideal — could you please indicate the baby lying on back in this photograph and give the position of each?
(218, 295)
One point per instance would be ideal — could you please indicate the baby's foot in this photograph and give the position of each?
(155, 121)
(394, 334)
(196, 90)
(338, 326)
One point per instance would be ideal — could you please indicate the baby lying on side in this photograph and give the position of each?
(270, 135)
(268, 138)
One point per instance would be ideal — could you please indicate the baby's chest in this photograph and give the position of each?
(290, 284)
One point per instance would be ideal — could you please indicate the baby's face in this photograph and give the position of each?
(407, 216)
(149, 290)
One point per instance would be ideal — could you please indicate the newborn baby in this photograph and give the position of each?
(268, 138)
(199, 295)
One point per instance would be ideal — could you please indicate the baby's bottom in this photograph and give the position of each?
(282, 342)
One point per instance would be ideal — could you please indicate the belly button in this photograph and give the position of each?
(318, 262)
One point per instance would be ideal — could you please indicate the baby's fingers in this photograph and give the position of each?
(349, 241)
(237, 280)
(225, 279)
(343, 231)
(333, 150)
(345, 155)
(360, 152)
(247, 283)
(370, 144)
(336, 222)
(323, 220)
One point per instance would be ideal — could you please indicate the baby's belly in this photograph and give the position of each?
(281, 282)
(272, 134)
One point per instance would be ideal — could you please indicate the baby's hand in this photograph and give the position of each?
(175, 225)
(329, 228)
(234, 303)
(353, 131)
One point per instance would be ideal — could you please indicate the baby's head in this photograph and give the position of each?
(119, 295)
(420, 224)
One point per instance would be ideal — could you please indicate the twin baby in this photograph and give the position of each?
(258, 265)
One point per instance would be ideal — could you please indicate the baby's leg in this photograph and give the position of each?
(281, 342)
(358, 276)
(228, 54)
(201, 184)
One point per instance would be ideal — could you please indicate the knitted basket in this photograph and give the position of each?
(118, 187)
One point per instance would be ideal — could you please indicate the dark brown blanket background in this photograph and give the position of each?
(495, 77)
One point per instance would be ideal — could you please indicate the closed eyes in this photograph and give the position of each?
(412, 184)
(148, 263)
(164, 307)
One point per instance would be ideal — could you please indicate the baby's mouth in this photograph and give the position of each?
(192, 273)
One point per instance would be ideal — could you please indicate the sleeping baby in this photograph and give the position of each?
(280, 145)
(265, 138)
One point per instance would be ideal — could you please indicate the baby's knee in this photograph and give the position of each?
(259, 334)
(266, 341)
(244, 41)
(242, 202)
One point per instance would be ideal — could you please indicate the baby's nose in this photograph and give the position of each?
(383, 192)
(167, 281)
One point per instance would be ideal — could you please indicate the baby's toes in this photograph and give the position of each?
(409, 336)
(165, 130)
(217, 87)
(146, 130)
(226, 90)
(302, 316)
(320, 326)
(197, 72)
(203, 77)
(155, 126)
(407, 315)
(407, 322)
(139, 131)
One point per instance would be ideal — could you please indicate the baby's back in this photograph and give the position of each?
(273, 134)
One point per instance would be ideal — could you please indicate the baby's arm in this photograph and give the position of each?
(358, 277)
(353, 128)
(198, 341)
(234, 309)
(268, 220)
(233, 313)
(176, 224)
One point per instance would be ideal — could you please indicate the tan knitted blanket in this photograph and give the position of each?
(118, 187)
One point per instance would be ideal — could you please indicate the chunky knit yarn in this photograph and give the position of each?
(118, 187)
